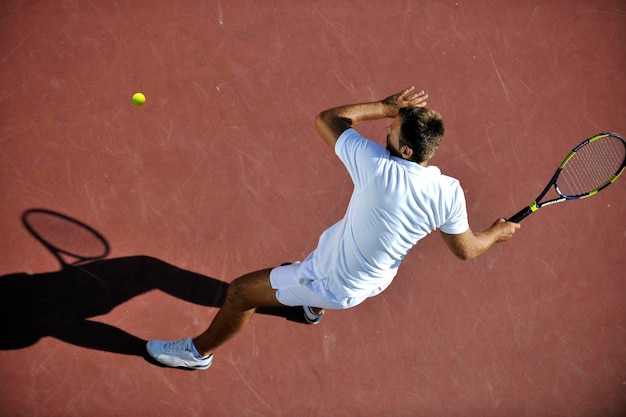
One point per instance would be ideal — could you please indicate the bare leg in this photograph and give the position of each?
(244, 295)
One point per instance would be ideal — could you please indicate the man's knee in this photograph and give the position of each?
(237, 291)
(250, 291)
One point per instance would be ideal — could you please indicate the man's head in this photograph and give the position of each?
(415, 134)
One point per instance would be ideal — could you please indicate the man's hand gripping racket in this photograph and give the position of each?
(590, 167)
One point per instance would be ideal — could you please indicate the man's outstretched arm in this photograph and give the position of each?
(469, 245)
(331, 123)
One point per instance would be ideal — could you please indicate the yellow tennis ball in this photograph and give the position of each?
(139, 99)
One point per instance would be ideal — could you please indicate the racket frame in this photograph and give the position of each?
(56, 251)
(537, 204)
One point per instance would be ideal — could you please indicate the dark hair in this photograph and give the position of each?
(421, 129)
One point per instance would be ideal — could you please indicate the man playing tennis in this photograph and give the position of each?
(397, 200)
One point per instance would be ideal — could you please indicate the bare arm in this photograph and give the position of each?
(331, 123)
(469, 245)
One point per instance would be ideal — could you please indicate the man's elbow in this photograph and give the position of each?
(321, 120)
(466, 253)
(330, 126)
(329, 121)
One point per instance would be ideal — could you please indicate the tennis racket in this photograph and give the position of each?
(65, 237)
(588, 168)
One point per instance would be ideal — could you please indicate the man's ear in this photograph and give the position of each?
(406, 152)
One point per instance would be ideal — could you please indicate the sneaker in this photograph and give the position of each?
(310, 316)
(177, 354)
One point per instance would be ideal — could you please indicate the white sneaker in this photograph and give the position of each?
(311, 316)
(177, 354)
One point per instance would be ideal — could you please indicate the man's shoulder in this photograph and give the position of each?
(351, 143)
(349, 135)
(447, 179)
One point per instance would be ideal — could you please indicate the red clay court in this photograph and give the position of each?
(221, 172)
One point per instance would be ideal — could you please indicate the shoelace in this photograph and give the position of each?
(177, 346)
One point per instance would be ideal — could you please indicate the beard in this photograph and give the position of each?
(392, 150)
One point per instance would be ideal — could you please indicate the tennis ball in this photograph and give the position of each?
(139, 99)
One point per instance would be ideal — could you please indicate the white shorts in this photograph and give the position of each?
(295, 289)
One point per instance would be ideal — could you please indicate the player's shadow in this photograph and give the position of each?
(60, 304)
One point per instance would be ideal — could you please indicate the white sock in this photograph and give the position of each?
(195, 352)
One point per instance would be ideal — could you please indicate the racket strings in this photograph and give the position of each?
(592, 166)
(68, 237)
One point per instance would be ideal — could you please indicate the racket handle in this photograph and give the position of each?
(520, 215)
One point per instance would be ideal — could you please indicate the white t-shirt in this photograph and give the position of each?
(395, 203)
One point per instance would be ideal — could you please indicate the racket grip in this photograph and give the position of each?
(520, 215)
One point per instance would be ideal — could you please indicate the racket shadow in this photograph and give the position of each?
(60, 304)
